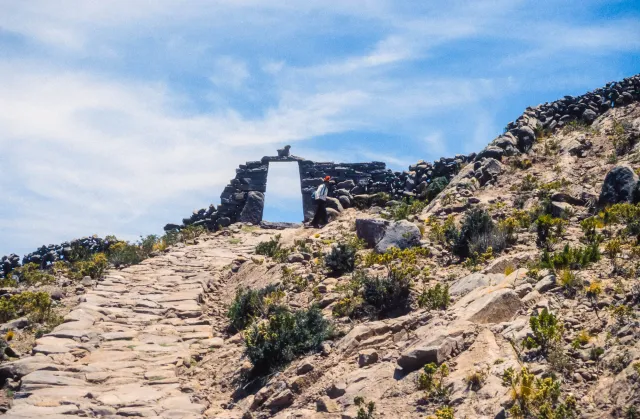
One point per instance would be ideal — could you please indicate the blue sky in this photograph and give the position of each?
(120, 116)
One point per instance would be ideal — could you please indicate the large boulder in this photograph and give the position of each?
(334, 204)
(252, 211)
(400, 234)
(618, 186)
(496, 307)
(526, 138)
(383, 234)
(490, 152)
(466, 284)
(437, 349)
(371, 230)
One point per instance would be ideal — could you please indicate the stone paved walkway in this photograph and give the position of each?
(117, 352)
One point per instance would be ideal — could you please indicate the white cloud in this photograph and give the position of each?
(230, 72)
(94, 139)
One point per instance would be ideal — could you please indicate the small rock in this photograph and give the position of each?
(367, 357)
(336, 390)
(295, 258)
(546, 283)
(304, 368)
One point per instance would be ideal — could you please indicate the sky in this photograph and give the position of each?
(118, 117)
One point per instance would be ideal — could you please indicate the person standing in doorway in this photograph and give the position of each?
(320, 218)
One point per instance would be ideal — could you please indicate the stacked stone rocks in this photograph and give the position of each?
(46, 255)
(520, 135)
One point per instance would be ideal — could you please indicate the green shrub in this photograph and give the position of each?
(365, 410)
(273, 248)
(570, 283)
(342, 258)
(35, 305)
(537, 397)
(250, 304)
(402, 210)
(123, 253)
(93, 268)
(274, 342)
(436, 186)
(31, 274)
(476, 223)
(431, 380)
(386, 296)
(436, 298)
(547, 331)
(549, 230)
(570, 257)
(445, 412)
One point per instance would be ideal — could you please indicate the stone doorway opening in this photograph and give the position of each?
(283, 198)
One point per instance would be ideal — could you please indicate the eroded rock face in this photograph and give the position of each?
(435, 349)
(371, 230)
(495, 307)
(618, 185)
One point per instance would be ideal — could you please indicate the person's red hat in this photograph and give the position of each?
(327, 178)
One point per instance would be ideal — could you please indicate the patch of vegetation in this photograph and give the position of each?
(549, 231)
(582, 338)
(435, 298)
(35, 305)
(570, 283)
(431, 380)
(477, 223)
(574, 258)
(403, 210)
(250, 304)
(537, 397)
(31, 274)
(365, 410)
(342, 257)
(274, 249)
(444, 412)
(274, 342)
(476, 379)
(436, 186)
(546, 331)
(94, 267)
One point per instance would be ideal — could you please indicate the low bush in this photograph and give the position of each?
(436, 186)
(436, 298)
(31, 274)
(431, 380)
(476, 379)
(537, 397)
(35, 305)
(365, 410)
(444, 412)
(574, 258)
(549, 231)
(250, 304)
(274, 342)
(570, 283)
(274, 249)
(342, 257)
(404, 209)
(94, 268)
(477, 222)
(546, 331)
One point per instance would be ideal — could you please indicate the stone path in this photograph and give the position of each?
(118, 351)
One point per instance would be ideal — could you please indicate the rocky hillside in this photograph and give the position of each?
(513, 293)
